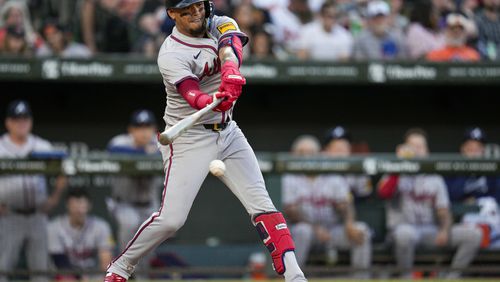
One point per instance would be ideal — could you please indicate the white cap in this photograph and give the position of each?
(457, 19)
(376, 8)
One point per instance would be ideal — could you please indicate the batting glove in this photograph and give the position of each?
(231, 79)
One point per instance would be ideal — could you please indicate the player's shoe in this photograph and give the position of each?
(112, 277)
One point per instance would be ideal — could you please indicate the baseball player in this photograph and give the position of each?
(337, 144)
(79, 241)
(418, 200)
(24, 199)
(472, 187)
(200, 61)
(321, 213)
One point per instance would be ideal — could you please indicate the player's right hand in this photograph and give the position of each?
(227, 101)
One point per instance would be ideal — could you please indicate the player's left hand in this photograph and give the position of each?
(231, 79)
(442, 238)
(227, 101)
(354, 234)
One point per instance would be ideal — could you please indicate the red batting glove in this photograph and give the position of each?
(232, 80)
(227, 101)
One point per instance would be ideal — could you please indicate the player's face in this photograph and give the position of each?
(338, 148)
(142, 135)
(190, 20)
(418, 144)
(19, 128)
(78, 208)
(472, 149)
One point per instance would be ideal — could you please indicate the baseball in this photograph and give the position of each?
(217, 168)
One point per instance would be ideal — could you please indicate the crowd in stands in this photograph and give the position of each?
(341, 30)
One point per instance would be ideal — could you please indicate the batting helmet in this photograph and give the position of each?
(178, 4)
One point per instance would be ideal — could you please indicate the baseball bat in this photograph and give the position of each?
(169, 135)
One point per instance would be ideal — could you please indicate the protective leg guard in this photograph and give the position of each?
(274, 233)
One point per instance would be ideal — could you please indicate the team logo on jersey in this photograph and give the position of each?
(197, 55)
(209, 71)
(223, 28)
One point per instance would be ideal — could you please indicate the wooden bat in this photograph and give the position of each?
(168, 136)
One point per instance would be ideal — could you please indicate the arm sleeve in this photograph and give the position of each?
(174, 69)
(224, 26)
(388, 186)
(442, 198)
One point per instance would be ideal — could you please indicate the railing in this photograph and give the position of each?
(104, 163)
(133, 69)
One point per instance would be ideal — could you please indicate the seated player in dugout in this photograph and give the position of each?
(477, 189)
(338, 144)
(321, 215)
(77, 240)
(418, 213)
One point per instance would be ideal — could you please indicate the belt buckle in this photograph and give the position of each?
(216, 127)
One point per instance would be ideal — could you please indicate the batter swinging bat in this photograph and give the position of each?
(168, 136)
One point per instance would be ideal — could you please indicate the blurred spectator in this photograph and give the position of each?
(488, 25)
(470, 188)
(63, 12)
(397, 21)
(24, 199)
(456, 48)
(15, 14)
(261, 45)
(79, 241)
(324, 39)
(150, 20)
(14, 42)
(338, 145)
(321, 213)
(59, 42)
(424, 34)
(288, 23)
(108, 25)
(417, 201)
(134, 199)
(250, 21)
(378, 41)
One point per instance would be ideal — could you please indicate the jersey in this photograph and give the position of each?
(81, 246)
(322, 45)
(23, 192)
(182, 57)
(420, 196)
(141, 190)
(316, 197)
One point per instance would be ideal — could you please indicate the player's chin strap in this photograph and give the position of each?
(274, 233)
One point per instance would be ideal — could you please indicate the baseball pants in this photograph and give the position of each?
(466, 239)
(17, 230)
(186, 163)
(304, 237)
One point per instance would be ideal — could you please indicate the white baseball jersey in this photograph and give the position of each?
(322, 45)
(81, 246)
(140, 189)
(420, 196)
(23, 191)
(316, 196)
(182, 57)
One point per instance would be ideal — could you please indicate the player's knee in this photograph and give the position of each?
(471, 236)
(365, 230)
(403, 235)
(172, 224)
(302, 230)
